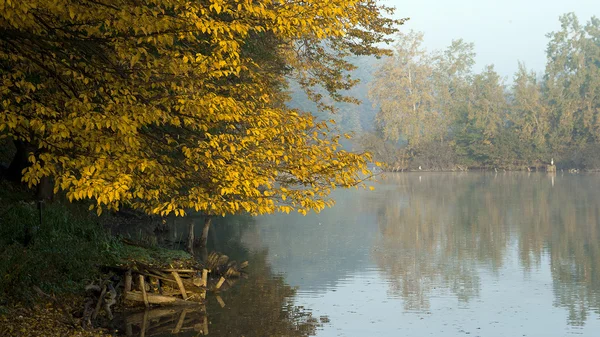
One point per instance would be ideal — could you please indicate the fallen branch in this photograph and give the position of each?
(66, 313)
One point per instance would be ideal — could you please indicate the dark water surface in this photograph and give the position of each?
(431, 254)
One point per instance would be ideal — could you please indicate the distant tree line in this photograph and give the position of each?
(435, 112)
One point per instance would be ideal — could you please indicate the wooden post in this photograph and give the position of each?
(204, 277)
(190, 241)
(143, 289)
(128, 281)
(204, 237)
(180, 285)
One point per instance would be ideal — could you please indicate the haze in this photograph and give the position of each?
(504, 32)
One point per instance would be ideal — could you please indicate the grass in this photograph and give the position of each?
(57, 255)
(63, 252)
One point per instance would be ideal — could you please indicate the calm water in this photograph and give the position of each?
(431, 254)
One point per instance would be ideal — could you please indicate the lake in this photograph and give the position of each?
(425, 254)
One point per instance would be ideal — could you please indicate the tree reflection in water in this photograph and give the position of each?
(442, 230)
(260, 306)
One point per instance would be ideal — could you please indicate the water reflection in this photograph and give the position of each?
(438, 254)
(260, 306)
(445, 230)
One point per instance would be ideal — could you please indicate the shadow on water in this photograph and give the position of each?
(262, 305)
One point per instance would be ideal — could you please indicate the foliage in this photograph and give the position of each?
(572, 83)
(424, 96)
(67, 248)
(174, 105)
(402, 89)
(57, 254)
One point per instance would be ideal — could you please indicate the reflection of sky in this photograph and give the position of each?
(331, 258)
(316, 250)
(510, 304)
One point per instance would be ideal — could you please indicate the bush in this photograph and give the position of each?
(57, 255)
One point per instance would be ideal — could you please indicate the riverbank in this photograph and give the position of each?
(547, 168)
(58, 248)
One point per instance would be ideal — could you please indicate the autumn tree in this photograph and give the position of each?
(451, 79)
(572, 83)
(167, 106)
(482, 118)
(528, 114)
(402, 90)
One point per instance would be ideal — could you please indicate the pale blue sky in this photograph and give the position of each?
(504, 32)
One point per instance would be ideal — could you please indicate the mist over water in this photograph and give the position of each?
(425, 254)
(446, 254)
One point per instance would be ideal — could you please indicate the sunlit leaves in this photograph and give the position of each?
(171, 106)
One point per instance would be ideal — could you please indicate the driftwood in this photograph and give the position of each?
(179, 284)
(220, 283)
(153, 285)
(142, 285)
(101, 296)
(138, 296)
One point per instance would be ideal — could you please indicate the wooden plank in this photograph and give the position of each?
(137, 296)
(186, 282)
(220, 283)
(204, 277)
(180, 270)
(143, 290)
(180, 285)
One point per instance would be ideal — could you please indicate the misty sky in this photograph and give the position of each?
(504, 32)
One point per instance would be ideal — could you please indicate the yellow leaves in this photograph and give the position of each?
(176, 114)
(134, 59)
(216, 7)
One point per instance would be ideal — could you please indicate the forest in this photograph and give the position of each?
(429, 109)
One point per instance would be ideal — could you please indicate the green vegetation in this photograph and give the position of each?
(57, 255)
(64, 251)
(435, 112)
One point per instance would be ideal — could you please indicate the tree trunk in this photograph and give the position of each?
(14, 172)
(45, 189)
(204, 237)
(190, 241)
